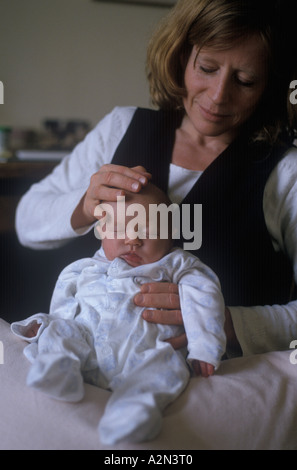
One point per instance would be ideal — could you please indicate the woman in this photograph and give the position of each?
(219, 71)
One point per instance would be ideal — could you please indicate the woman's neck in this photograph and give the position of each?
(195, 151)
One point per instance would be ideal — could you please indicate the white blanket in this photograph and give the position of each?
(250, 403)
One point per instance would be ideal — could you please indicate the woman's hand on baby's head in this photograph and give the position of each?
(110, 182)
(107, 184)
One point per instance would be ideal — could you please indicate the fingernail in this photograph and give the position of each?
(142, 180)
(138, 299)
(135, 186)
(147, 315)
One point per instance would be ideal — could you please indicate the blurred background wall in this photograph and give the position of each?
(72, 58)
(59, 60)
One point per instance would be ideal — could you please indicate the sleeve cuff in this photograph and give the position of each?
(23, 328)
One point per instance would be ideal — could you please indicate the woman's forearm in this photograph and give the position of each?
(267, 328)
(43, 219)
(79, 219)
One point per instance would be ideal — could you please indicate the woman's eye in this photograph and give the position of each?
(241, 82)
(206, 69)
(245, 83)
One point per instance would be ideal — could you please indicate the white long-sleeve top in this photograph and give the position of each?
(44, 213)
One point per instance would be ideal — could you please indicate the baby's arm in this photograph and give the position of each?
(202, 307)
(63, 305)
(31, 328)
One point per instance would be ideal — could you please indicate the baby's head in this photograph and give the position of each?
(131, 228)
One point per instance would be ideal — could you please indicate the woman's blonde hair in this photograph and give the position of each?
(219, 24)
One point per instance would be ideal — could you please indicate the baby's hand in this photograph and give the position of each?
(203, 368)
(32, 330)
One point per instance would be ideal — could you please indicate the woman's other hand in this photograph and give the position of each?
(107, 184)
(163, 298)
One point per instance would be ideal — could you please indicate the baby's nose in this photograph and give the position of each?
(133, 241)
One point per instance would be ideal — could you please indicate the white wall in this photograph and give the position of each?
(72, 58)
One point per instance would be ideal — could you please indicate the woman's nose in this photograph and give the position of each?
(221, 90)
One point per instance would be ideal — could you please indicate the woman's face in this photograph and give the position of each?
(225, 87)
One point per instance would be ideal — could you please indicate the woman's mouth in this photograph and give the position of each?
(211, 116)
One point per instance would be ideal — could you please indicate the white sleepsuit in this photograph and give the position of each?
(95, 333)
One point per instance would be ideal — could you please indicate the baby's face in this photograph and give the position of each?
(135, 240)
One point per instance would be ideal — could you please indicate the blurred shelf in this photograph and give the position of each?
(26, 169)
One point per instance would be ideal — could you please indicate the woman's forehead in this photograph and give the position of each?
(249, 55)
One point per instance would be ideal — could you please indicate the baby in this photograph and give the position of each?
(95, 333)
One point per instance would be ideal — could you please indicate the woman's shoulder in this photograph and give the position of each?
(289, 158)
(283, 178)
(118, 118)
(286, 169)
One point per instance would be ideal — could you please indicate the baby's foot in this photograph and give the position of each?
(133, 422)
(57, 376)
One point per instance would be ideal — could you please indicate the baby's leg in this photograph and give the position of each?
(64, 348)
(134, 411)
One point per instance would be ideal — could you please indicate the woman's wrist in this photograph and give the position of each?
(79, 219)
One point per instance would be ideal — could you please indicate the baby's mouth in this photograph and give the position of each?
(132, 258)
